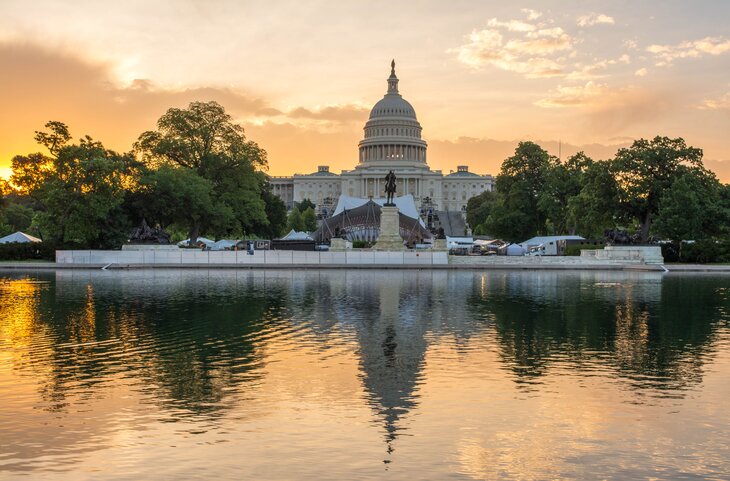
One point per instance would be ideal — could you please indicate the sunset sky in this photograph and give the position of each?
(301, 77)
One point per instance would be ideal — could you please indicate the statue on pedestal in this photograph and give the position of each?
(145, 234)
(390, 188)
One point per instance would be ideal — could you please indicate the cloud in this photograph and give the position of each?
(608, 109)
(666, 54)
(340, 113)
(721, 103)
(531, 14)
(516, 46)
(595, 19)
(592, 71)
(38, 85)
(641, 72)
(574, 95)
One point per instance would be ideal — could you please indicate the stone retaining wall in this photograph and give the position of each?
(243, 258)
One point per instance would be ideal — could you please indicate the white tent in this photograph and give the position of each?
(536, 241)
(515, 250)
(207, 242)
(406, 205)
(19, 237)
(294, 235)
(222, 245)
(457, 242)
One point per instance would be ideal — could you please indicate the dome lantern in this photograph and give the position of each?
(392, 80)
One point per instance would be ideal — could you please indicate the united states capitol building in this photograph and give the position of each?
(392, 141)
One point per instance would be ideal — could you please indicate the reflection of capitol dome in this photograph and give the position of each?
(393, 133)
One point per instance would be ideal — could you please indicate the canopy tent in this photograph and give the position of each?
(294, 235)
(406, 205)
(362, 222)
(456, 242)
(206, 241)
(515, 250)
(536, 241)
(19, 237)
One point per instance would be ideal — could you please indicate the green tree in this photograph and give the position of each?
(275, 213)
(309, 218)
(175, 195)
(644, 171)
(80, 188)
(304, 205)
(563, 181)
(522, 179)
(204, 139)
(295, 220)
(595, 208)
(690, 209)
(18, 217)
(478, 209)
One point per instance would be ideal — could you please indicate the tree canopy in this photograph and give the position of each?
(80, 188)
(204, 139)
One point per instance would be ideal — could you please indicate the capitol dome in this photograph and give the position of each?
(393, 133)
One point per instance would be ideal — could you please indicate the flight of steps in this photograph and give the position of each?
(452, 222)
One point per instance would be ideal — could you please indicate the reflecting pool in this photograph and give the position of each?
(335, 375)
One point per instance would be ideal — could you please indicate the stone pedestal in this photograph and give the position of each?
(389, 238)
(338, 245)
(628, 254)
(439, 245)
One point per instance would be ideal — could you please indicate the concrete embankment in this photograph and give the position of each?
(193, 259)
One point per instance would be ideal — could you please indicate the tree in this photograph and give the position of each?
(304, 205)
(690, 209)
(18, 217)
(204, 139)
(309, 218)
(295, 220)
(644, 171)
(275, 212)
(563, 181)
(478, 209)
(175, 195)
(80, 188)
(595, 208)
(517, 215)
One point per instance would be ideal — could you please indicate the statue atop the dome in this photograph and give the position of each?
(390, 188)
(392, 66)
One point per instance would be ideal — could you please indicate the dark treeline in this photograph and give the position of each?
(196, 174)
(654, 189)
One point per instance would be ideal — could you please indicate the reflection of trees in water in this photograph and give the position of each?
(183, 342)
(655, 332)
(197, 338)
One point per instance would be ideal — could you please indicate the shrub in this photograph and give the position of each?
(16, 251)
(574, 250)
(699, 252)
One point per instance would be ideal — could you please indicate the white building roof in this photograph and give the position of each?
(452, 242)
(206, 241)
(20, 237)
(406, 205)
(294, 235)
(536, 241)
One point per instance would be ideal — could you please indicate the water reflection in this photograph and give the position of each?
(108, 354)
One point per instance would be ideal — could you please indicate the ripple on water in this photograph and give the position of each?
(341, 375)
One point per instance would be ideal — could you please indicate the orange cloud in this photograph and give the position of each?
(666, 54)
(595, 19)
(530, 51)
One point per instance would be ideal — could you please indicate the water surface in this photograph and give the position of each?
(334, 375)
